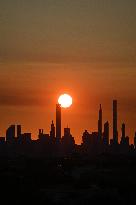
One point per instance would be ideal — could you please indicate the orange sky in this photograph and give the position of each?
(29, 98)
(86, 48)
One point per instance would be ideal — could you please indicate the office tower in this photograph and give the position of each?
(127, 140)
(67, 138)
(86, 139)
(26, 138)
(58, 123)
(123, 137)
(100, 125)
(68, 142)
(40, 133)
(123, 130)
(18, 131)
(66, 132)
(52, 132)
(115, 132)
(10, 134)
(106, 134)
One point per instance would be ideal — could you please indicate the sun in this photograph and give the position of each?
(65, 100)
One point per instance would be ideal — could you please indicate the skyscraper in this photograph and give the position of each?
(100, 124)
(18, 131)
(106, 134)
(10, 134)
(58, 123)
(123, 130)
(115, 131)
(52, 132)
(68, 142)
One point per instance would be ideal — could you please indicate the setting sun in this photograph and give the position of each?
(65, 100)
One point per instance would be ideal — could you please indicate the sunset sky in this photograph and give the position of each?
(86, 48)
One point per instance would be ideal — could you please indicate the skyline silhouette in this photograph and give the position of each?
(54, 143)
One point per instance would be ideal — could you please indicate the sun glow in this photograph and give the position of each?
(65, 100)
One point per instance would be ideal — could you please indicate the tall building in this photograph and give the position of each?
(68, 142)
(123, 136)
(123, 130)
(52, 132)
(18, 131)
(10, 134)
(100, 124)
(106, 134)
(115, 131)
(43, 138)
(58, 123)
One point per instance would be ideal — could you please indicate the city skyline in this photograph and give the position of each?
(102, 133)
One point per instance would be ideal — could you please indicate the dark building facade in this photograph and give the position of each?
(67, 141)
(10, 134)
(106, 134)
(115, 131)
(52, 132)
(100, 125)
(18, 131)
(58, 123)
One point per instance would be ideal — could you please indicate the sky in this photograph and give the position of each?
(86, 48)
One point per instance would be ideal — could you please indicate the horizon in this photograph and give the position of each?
(89, 131)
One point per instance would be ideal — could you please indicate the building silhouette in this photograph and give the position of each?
(43, 138)
(124, 139)
(100, 125)
(26, 138)
(18, 131)
(58, 123)
(10, 134)
(115, 131)
(67, 141)
(53, 144)
(123, 129)
(52, 132)
(106, 134)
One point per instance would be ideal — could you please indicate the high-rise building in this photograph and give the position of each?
(52, 132)
(100, 124)
(106, 134)
(115, 131)
(123, 130)
(67, 132)
(58, 123)
(68, 142)
(10, 134)
(123, 137)
(40, 133)
(18, 131)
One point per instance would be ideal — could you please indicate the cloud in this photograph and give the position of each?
(10, 97)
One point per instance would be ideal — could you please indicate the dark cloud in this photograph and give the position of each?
(9, 97)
